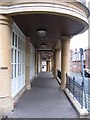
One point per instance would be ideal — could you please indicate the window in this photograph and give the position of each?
(18, 60)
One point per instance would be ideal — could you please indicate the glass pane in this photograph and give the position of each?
(15, 56)
(18, 69)
(15, 71)
(13, 38)
(12, 71)
(12, 55)
(18, 56)
(19, 43)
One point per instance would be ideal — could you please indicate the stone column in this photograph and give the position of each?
(54, 63)
(50, 65)
(58, 60)
(36, 63)
(6, 102)
(40, 62)
(47, 65)
(65, 60)
(27, 71)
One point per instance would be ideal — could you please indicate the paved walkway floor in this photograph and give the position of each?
(44, 100)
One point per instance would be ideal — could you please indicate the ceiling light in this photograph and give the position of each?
(41, 32)
(45, 53)
(43, 45)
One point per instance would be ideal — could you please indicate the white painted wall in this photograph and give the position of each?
(32, 61)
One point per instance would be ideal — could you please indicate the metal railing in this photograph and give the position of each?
(76, 89)
(59, 74)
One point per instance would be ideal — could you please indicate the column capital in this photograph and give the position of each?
(27, 38)
(6, 20)
(65, 38)
(57, 50)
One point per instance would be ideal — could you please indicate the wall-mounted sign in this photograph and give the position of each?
(3, 68)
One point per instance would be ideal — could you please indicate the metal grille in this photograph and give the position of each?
(59, 74)
(75, 88)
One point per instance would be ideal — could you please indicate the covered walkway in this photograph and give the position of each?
(44, 100)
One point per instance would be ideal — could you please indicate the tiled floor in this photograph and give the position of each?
(44, 100)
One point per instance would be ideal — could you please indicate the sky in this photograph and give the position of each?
(79, 41)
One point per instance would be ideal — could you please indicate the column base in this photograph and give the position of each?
(28, 85)
(6, 106)
(63, 86)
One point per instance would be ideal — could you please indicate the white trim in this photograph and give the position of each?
(20, 93)
(39, 6)
(17, 30)
(18, 66)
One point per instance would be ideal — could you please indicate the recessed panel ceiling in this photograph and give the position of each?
(55, 26)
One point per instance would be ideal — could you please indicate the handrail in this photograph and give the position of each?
(59, 74)
(76, 89)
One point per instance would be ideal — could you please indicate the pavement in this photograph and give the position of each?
(44, 100)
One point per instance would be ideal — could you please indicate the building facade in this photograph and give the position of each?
(76, 65)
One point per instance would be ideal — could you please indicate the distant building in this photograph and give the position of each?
(75, 62)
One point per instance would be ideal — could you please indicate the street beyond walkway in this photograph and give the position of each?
(44, 100)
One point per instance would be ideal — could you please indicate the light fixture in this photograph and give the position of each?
(41, 32)
(45, 53)
(43, 45)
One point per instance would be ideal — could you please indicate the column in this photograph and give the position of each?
(47, 65)
(40, 62)
(27, 71)
(36, 62)
(54, 63)
(58, 60)
(6, 102)
(50, 65)
(65, 60)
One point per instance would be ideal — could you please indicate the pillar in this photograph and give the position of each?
(47, 65)
(50, 65)
(58, 60)
(27, 71)
(47, 62)
(36, 62)
(40, 62)
(65, 60)
(54, 63)
(6, 102)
